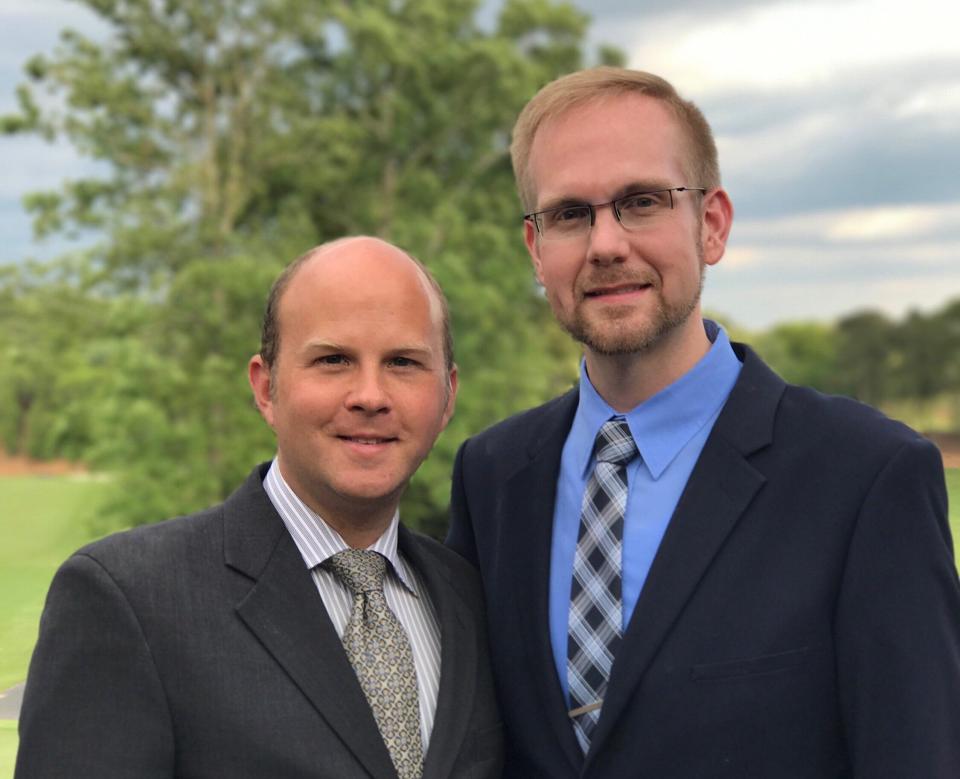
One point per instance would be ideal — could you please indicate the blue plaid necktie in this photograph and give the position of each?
(595, 598)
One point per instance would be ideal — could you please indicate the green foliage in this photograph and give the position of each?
(233, 135)
(910, 368)
(803, 353)
(866, 357)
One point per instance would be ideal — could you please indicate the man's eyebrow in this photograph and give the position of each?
(639, 187)
(421, 350)
(395, 351)
(561, 202)
(331, 345)
(632, 188)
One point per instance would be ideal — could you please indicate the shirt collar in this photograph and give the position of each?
(664, 423)
(316, 540)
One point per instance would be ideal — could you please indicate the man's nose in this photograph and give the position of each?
(608, 238)
(369, 392)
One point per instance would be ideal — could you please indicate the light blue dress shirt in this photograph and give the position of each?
(670, 430)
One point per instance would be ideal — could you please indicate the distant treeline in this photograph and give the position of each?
(893, 364)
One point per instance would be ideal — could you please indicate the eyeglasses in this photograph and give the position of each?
(634, 211)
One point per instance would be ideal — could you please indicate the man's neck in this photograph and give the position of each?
(358, 525)
(625, 381)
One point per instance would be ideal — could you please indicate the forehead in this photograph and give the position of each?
(374, 295)
(596, 149)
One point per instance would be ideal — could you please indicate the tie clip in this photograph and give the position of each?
(574, 713)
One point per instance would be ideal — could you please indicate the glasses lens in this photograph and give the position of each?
(637, 209)
(565, 222)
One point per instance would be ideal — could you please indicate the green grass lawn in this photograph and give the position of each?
(8, 746)
(953, 488)
(43, 520)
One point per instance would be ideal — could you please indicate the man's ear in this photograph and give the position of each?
(260, 380)
(715, 228)
(451, 397)
(530, 236)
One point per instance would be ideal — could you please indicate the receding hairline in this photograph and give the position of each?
(439, 308)
(427, 280)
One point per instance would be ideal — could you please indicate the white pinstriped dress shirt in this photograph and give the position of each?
(403, 587)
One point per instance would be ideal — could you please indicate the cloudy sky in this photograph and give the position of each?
(838, 124)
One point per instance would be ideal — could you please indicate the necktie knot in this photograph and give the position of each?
(614, 442)
(360, 569)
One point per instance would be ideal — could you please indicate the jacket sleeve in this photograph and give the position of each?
(94, 704)
(897, 626)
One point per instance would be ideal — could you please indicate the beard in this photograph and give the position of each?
(618, 332)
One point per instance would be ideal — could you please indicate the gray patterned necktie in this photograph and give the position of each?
(379, 650)
(595, 593)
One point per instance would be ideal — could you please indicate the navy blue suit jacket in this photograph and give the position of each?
(801, 618)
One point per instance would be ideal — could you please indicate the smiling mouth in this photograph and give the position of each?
(366, 441)
(621, 289)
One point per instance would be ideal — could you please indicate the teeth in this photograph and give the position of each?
(368, 440)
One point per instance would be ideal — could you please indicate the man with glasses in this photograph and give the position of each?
(693, 569)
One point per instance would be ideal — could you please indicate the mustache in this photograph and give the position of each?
(607, 277)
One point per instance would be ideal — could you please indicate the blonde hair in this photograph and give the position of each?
(575, 89)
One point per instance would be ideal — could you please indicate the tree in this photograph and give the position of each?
(865, 357)
(237, 134)
(922, 345)
(803, 353)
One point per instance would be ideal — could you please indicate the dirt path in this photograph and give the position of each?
(11, 465)
(10, 702)
(949, 444)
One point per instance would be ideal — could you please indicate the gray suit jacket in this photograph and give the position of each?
(200, 647)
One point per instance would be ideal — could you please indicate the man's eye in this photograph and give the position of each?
(403, 362)
(572, 214)
(640, 202)
(330, 359)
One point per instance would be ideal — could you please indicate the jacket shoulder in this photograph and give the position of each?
(848, 422)
(141, 550)
(763, 408)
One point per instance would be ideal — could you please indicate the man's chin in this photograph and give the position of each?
(617, 337)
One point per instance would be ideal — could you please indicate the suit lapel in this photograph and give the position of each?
(458, 657)
(720, 489)
(285, 612)
(528, 501)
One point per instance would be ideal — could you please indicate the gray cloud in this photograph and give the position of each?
(871, 145)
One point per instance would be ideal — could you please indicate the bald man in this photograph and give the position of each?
(297, 629)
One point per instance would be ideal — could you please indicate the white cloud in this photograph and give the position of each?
(827, 264)
(898, 223)
(783, 149)
(801, 284)
(910, 225)
(791, 44)
(933, 102)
